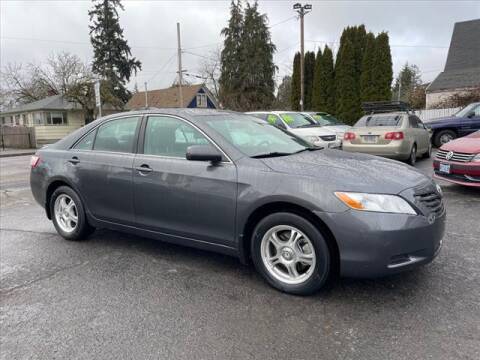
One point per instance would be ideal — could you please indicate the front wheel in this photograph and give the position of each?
(68, 214)
(291, 254)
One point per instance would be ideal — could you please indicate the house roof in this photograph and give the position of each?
(165, 98)
(462, 69)
(55, 102)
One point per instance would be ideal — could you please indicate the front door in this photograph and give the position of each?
(189, 199)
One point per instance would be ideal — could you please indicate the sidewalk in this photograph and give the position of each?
(16, 152)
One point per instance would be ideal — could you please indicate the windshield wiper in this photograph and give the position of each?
(271, 154)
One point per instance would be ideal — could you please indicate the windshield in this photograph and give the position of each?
(379, 120)
(254, 137)
(297, 120)
(326, 119)
(466, 110)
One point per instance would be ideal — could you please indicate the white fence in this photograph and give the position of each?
(430, 114)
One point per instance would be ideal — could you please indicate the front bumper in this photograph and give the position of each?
(378, 244)
(467, 174)
(395, 149)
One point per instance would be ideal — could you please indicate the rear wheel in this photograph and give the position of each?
(428, 154)
(412, 159)
(443, 137)
(291, 254)
(68, 214)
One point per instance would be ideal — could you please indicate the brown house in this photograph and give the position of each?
(194, 96)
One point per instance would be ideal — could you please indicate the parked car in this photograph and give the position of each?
(330, 122)
(396, 135)
(459, 161)
(231, 183)
(301, 125)
(464, 122)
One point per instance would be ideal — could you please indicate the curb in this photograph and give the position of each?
(23, 153)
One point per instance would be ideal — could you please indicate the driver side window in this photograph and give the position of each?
(275, 120)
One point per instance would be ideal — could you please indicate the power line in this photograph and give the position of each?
(163, 67)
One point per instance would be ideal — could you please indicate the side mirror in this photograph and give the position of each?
(471, 115)
(203, 153)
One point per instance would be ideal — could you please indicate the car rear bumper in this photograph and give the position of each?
(337, 144)
(467, 174)
(394, 150)
(379, 244)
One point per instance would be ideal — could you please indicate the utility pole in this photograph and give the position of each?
(399, 88)
(180, 93)
(146, 95)
(302, 10)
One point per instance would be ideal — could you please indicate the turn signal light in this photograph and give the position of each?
(34, 161)
(396, 135)
(349, 136)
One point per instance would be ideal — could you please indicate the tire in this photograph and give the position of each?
(428, 154)
(444, 136)
(412, 159)
(310, 245)
(71, 224)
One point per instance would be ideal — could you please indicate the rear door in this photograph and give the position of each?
(419, 134)
(101, 165)
(187, 199)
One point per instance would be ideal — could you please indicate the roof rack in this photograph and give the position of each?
(378, 107)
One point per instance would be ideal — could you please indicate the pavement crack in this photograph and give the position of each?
(27, 231)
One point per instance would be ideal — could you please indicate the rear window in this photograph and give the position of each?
(379, 120)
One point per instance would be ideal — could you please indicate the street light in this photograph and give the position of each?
(302, 10)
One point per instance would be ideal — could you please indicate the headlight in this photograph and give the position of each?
(476, 157)
(312, 138)
(376, 202)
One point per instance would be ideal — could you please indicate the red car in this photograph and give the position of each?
(458, 161)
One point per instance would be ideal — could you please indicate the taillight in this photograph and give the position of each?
(34, 160)
(396, 135)
(349, 136)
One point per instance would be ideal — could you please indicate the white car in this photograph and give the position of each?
(302, 126)
(325, 119)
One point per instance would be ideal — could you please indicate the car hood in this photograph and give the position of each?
(312, 131)
(340, 170)
(470, 145)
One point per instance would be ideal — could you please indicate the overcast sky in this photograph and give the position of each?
(419, 31)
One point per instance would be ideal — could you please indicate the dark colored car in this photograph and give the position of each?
(232, 183)
(459, 161)
(465, 122)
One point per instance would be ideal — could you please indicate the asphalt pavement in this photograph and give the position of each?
(117, 296)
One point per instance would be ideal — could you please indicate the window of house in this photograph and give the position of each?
(117, 135)
(201, 100)
(38, 118)
(168, 136)
(56, 118)
(17, 119)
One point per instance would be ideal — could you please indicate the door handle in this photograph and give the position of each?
(74, 160)
(144, 168)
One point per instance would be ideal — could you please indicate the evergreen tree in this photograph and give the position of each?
(258, 69)
(347, 97)
(317, 83)
(231, 58)
(406, 82)
(282, 102)
(367, 89)
(295, 94)
(382, 74)
(324, 99)
(309, 73)
(112, 58)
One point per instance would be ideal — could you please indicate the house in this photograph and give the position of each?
(194, 96)
(53, 118)
(462, 69)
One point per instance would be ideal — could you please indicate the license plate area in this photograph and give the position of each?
(444, 168)
(370, 139)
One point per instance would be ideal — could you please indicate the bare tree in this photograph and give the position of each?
(460, 99)
(210, 71)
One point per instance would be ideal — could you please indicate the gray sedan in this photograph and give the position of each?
(231, 183)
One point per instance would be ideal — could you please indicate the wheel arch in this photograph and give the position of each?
(264, 210)
(52, 186)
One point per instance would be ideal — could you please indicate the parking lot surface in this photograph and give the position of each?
(117, 296)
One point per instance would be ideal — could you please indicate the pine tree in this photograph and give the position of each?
(258, 69)
(409, 78)
(382, 74)
(282, 102)
(295, 95)
(309, 73)
(112, 57)
(325, 83)
(317, 82)
(347, 97)
(231, 59)
(367, 89)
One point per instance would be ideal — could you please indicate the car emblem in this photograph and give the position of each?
(449, 155)
(431, 218)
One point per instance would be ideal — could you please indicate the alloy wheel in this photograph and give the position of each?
(66, 213)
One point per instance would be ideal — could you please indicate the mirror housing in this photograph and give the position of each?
(471, 115)
(203, 153)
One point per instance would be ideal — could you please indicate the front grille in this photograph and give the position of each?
(431, 200)
(457, 156)
(328, 137)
